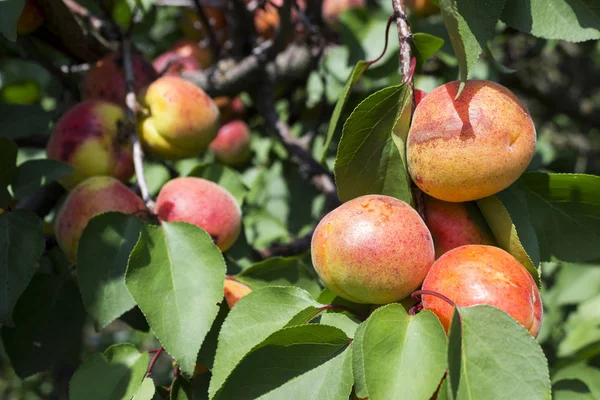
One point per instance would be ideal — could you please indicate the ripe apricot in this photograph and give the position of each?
(470, 147)
(478, 274)
(234, 291)
(202, 203)
(372, 249)
(232, 144)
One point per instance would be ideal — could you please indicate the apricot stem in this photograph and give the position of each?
(419, 293)
(153, 361)
(387, 31)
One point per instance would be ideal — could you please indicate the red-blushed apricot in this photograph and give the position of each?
(106, 79)
(373, 249)
(332, 9)
(234, 291)
(471, 147)
(87, 138)
(170, 64)
(451, 226)
(93, 196)
(422, 8)
(185, 49)
(477, 274)
(419, 95)
(182, 119)
(232, 144)
(30, 19)
(202, 203)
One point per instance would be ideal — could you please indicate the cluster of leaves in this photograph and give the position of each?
(290, 338)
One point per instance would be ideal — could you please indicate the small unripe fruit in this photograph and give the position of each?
(476, 274)
(87, 138)
(234, 291)
(422, 8)
(451, 226)
(93, 196)
(332, 9)
(230, 109)
(232, 145)
(30, 19)
(373, 249)
(106, 79)
(471, 147)
(202, 203)
(27, 92)
(182, 119)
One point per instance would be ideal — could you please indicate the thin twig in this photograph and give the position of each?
(132, 109)
(212, 37)
(153, 361)
(405, 38)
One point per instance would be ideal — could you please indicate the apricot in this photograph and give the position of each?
(170, 64)
(106, 79)
(234, 291)
(185, 50)
(30, 19)
(93, 196)
(87, 138)
(232, 144)
(471, 147)
(419, 95)
(451, 226)
(181, 119)
(333, 9)
(202, 203)
(229, 108)
(422, 8)
(373, 249)
(478, 274)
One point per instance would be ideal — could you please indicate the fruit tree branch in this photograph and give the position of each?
(405, 38)
(212, 37)
(62, 31)
(132, 109)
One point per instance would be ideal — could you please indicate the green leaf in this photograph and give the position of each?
(116, 374)
(470, 25)
(10, 11)
(589, 375)
(283, 366)
(176, 275)
(575, 283)
(582, 328)
(223, 176)
(491, 356)
(206, 356)
(341, 321)
(426, 45)
(146, 390)
(33, 174)
(23, 120)
(368, 160)
(391, 347)
(21, 246)
(564, 210)
(281, 271)
(253, 319)
(8, 160)
(181, 390)
(102, 258)
(574, 21)
(357, 72)
(49, 319)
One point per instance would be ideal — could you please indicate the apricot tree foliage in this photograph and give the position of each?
(137, 302)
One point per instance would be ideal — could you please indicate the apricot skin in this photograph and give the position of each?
(471, 147)
(332, 9)
(234, 291)
(373, 249)
(86, 137)
(477, 274)
(185, 55)
(451, 226)
(202, 203)
(182, 119)
(232, 144)
(93, 196)
(422, 8)
(106, 79)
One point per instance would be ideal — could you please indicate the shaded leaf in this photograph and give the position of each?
(33, 174)
(426, 45)
(23, 120)
(21, 246)
(10, 11)
(102, 258)
(116, 374)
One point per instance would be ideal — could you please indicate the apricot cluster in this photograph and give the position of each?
(376, 249)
